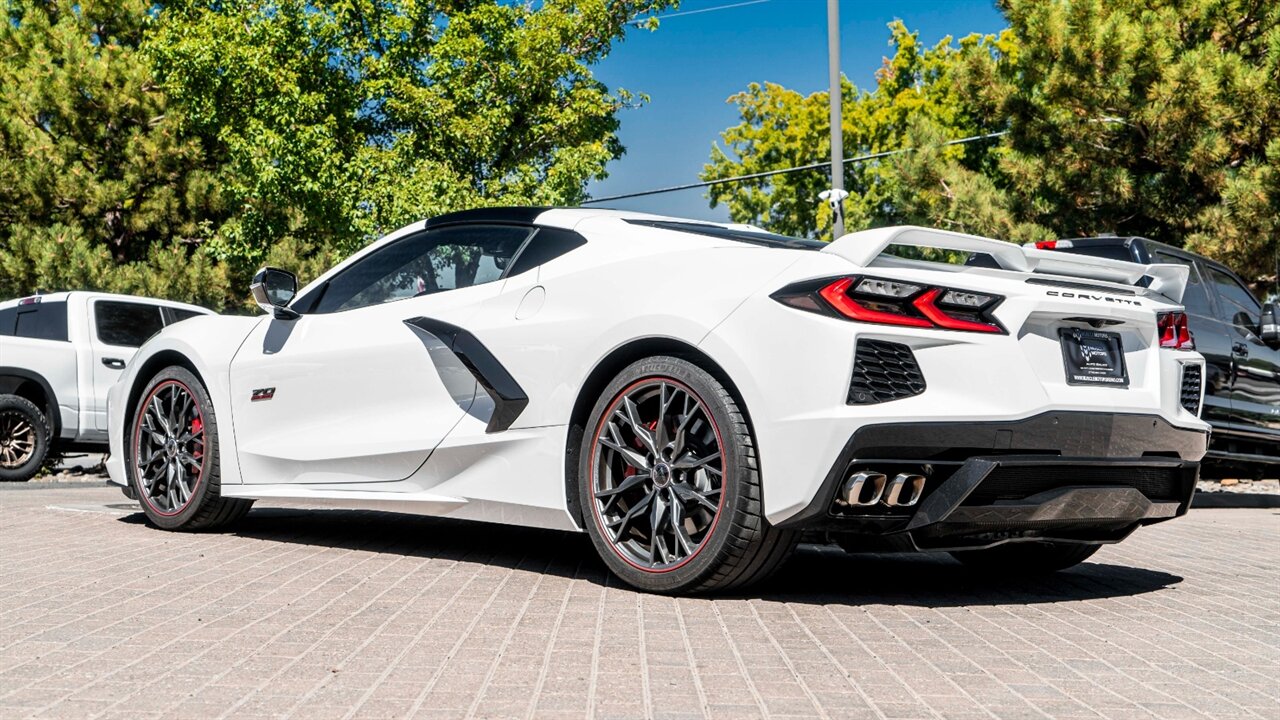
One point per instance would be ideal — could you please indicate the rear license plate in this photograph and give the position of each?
(1093, 357)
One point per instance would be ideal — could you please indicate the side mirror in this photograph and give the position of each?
(273, 289)
(1269, 330)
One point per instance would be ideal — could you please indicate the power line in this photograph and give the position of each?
(783, 171)
(639, 21)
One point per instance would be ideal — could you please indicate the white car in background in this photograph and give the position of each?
(59, 354)
(694, 396)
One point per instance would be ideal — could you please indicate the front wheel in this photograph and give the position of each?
(172, 455)
(669, 485)
(1026, 558)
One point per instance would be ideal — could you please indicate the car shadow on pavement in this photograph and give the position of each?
(826, 576)
(817, 575)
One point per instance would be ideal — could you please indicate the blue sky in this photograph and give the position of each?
(693, 63)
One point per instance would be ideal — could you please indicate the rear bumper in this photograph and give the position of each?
(1072, 476)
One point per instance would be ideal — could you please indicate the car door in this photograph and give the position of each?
(120, 327)
(1255, 388)
(351, 392)
(1212, 337)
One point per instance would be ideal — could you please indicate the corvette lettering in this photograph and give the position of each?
(1099, 298)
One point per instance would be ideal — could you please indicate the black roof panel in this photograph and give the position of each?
(501, 215)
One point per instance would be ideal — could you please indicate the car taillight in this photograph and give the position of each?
(1174, 331)
(1054, 245)
(894, 302)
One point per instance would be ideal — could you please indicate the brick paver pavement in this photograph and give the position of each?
(338, 614)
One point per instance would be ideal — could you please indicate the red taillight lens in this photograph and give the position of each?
(1174, 331)
(837, 294)
(925, 304)
(891, 302)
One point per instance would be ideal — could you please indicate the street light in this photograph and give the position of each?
(836, 195)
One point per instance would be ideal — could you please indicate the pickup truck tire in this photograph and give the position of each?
(1026, 558)
(171, 455)
(24, 439)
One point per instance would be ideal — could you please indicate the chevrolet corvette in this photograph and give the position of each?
(696, 397)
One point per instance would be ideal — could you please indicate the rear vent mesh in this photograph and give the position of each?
(1191, 389)
(884, 371)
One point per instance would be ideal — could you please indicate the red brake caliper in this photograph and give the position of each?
(197, 425)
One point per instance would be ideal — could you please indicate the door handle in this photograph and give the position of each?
(113, 363)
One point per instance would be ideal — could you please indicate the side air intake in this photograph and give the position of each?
(884, 371)
(1190, 396)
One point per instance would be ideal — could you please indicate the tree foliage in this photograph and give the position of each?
(232, 132)
(1147, 118)
(97, 188)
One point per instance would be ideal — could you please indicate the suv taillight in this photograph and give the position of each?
(1174, 332)
(895, 302)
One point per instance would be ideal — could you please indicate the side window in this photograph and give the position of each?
(8, 321)
(546, 245)
(429, 262)
(126, 324)
(41, 321)
(1238, 304)
(177, 315)
(1195, 298)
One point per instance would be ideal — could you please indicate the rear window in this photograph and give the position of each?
(40, 321)
(546, 245)
(126, 324)
(177, 315)
(1110, 252)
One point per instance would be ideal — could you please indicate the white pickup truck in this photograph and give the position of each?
(59, 354)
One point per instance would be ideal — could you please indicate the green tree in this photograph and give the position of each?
(93, 175)
(338, 120)
(1147, 118)
(169, 149)
(920, 99)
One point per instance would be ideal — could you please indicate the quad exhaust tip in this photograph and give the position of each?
(904, 490)
(863, 488)
(868, 487)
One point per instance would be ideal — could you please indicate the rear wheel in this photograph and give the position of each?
(669, 485)
(172, 456)
(24, 439)
(1026, 558)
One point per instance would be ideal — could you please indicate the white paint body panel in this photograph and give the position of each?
(367, 414)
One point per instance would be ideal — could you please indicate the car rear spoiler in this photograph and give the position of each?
(863, 247)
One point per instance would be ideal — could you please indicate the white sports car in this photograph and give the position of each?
(695, 396)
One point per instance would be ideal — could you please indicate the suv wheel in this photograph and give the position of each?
(24, 439)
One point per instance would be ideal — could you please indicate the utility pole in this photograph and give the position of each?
(836, 195)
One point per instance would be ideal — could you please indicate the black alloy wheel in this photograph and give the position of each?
(168, 447)
(172, 455)
(658, 480)
(669, 485)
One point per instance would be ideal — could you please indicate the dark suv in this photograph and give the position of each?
(1240, 341)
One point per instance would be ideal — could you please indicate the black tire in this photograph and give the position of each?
(24, 439)
(202, 507)
(736, 546)
(1026, 558)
